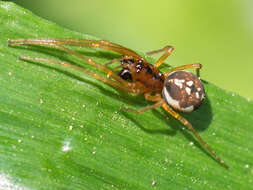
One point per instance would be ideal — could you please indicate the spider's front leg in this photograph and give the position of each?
(126, 87)
(118, 82)
(102, 44)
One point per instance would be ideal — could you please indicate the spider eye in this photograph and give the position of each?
(183, 91)
(125, 74)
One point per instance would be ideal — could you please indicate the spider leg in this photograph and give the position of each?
(77, 42)
(108, 71)
(153, 98)
(113, 61)
(196, 66)
(103, 44)
(55, 44)
(167, 52)
(77, 68)
(186, 123)
(156, 105)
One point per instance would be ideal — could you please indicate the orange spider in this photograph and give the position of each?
(173, 90)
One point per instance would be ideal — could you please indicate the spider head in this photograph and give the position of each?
(183, 91)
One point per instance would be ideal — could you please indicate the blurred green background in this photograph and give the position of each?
(217, 33)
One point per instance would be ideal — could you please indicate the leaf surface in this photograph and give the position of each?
(61, 129)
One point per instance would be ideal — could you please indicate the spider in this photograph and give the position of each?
(174, 90)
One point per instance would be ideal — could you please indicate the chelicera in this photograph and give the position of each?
(174, 90)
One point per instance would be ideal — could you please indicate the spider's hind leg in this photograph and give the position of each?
(187, 124)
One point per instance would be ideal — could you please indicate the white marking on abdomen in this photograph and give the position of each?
(188, 90)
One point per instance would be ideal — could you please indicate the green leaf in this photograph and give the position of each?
(61, 129)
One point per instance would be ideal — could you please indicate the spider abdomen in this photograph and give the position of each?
(183, 91)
